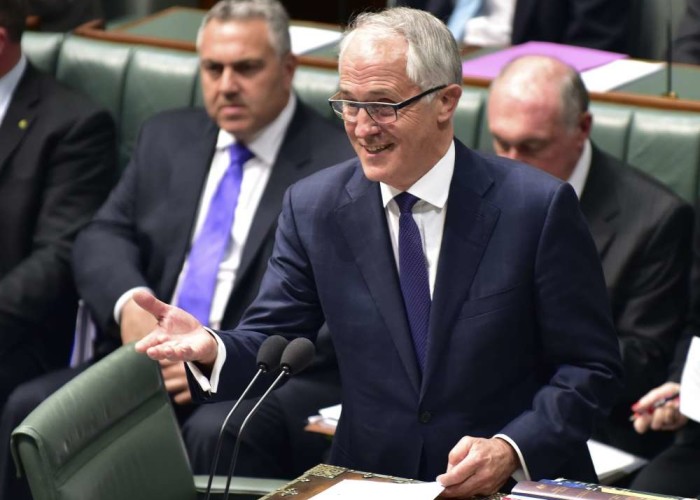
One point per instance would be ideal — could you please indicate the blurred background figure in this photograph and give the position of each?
(65, 15)
(599, 24)
(538, 113)
(686, 46)
(57, 154)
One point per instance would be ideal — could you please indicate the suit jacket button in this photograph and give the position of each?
(425, 417)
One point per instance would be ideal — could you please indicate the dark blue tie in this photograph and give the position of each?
(199, 283)
(413, 274)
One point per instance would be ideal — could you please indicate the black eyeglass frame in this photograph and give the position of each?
(396, 106)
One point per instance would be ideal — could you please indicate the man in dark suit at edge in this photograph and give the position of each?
(463, 292)
(57, 166)
(144, 235)
(538, 113)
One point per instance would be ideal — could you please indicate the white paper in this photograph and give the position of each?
(331, 413)
(375, 490)
(612, 463)
(690, 382)
(617, 73)
(305, 38)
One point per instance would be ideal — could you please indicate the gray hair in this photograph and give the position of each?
(271, 11)
(432, 58)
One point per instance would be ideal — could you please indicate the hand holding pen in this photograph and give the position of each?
(658, 410)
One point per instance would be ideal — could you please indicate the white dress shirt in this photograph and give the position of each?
(579, 175)
(493, 27)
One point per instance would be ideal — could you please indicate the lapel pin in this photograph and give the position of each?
(23, 124)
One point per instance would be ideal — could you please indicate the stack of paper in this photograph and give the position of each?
(601, 70)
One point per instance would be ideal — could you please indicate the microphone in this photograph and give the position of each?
(296, 356)
(268, 359)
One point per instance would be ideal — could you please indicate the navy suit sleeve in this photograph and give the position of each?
(577, 340)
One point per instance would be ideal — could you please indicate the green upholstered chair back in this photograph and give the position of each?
(108, 434)
(43, 49)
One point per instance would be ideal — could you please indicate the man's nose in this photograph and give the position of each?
(229, 81)
(365, 125)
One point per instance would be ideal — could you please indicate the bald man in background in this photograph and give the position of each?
(538, 113)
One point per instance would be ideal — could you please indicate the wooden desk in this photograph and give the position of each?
(322, 477)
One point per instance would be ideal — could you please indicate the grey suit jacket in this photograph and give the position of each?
(642, 231)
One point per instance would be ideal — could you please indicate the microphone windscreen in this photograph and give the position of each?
(297, 355)
(270, 352)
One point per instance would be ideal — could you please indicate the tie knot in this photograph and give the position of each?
(405, 201)
(239, 153)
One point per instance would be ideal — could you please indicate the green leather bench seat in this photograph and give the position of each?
(135, 81)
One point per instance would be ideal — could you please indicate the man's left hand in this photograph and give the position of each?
(478, 466)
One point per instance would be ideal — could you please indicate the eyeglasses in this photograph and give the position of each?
(380, 112)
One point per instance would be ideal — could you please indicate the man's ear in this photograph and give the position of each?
(448, 98)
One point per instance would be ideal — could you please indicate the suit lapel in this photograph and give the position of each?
(20, 115)
(294, 153)
(363, 223)
(469, 224)
(187, 177)
(599, 203)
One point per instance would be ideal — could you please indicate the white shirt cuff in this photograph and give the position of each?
(125, 297)
(521, 474)
(211, 384)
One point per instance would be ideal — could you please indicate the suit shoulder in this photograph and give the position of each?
(638, 187)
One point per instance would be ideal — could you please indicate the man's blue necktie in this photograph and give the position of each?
(413, 274)
(462, 12)
(199, 283)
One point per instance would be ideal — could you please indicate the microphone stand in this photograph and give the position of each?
(284, 373)
(220, 440)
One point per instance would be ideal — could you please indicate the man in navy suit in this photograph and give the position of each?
(504, 369)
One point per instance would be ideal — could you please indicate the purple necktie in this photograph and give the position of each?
(199, 284)
(413, 274)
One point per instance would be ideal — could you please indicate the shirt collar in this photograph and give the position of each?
(433, 187)
(578, 177)
(266, 144)
(8, 84)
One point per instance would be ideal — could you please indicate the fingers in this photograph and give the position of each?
(175, 380)
(477, 466)
(657, 394)
(148, 302)
(667, 418)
